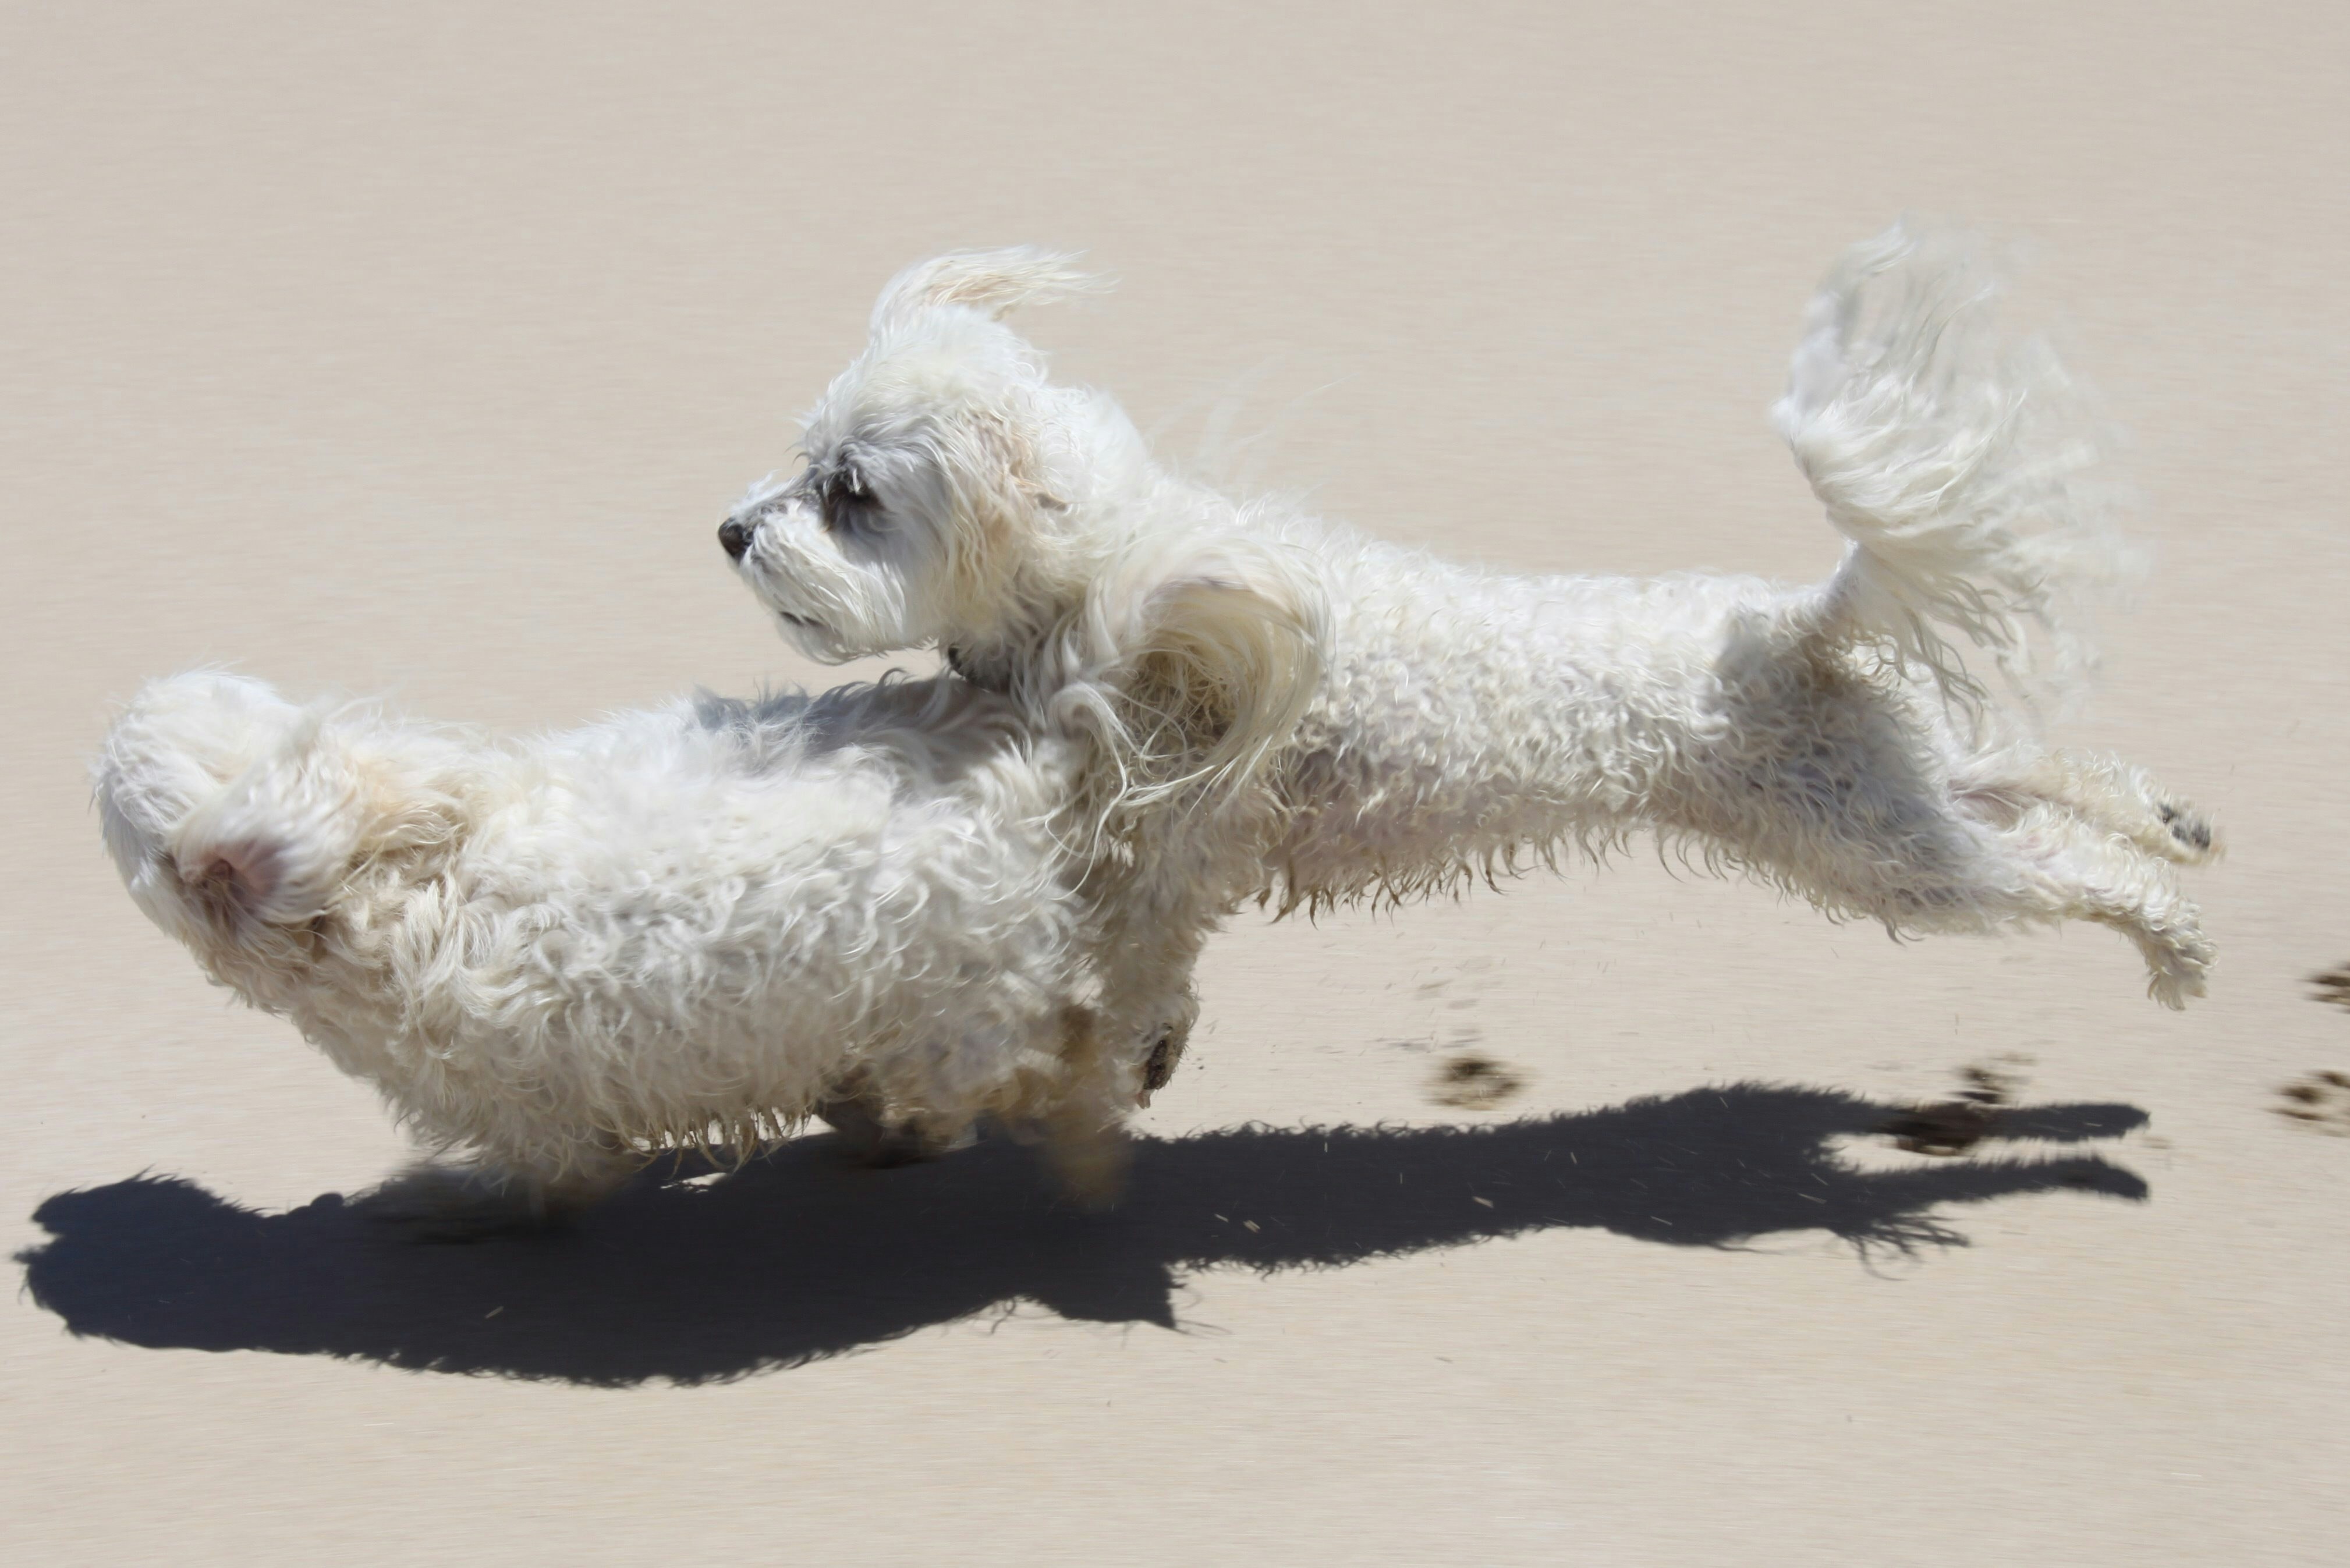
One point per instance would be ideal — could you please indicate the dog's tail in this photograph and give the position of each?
(1964, 465)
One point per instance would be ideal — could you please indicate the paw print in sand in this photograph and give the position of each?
(2318, 1101)
(1469, 1082)
(1953, 1126)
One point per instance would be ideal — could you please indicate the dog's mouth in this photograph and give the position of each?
(798, 622)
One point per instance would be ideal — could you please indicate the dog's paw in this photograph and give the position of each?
(2177, 969)
(2190, 837)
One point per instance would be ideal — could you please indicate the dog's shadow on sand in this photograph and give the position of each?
(798, 1256)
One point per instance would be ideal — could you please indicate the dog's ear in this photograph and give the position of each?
(990, 282)
(1213, 652)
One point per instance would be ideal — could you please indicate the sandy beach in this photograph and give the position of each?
(419, 350)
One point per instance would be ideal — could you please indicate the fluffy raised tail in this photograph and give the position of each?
(1962, 464)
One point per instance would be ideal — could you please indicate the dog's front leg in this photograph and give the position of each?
(860, 1119)
(1084, 1122)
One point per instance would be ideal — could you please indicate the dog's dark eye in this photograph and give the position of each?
(846, 505)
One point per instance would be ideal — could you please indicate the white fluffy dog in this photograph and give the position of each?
(1323, 717)
(693, 925)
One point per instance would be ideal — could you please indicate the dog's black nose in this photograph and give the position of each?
(734, 537)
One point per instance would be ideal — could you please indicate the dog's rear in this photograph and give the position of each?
(1971, 473)
(1966, 467)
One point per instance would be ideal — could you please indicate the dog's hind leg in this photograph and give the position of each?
(1982, 858)
(2062, 865)
(2126, 798)
(1084, 1124)
(2113, 795)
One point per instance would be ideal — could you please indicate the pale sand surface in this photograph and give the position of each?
(401, 349)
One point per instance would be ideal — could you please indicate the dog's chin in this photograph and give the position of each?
(817, 640)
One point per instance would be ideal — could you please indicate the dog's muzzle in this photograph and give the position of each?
(734, 537)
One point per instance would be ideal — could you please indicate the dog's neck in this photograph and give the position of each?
(1030, 654)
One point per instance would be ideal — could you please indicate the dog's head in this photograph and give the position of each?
(953, 497)
(237, 818)
(941, 467)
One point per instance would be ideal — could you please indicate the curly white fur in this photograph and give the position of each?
(690, 925)
(1368, 721)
